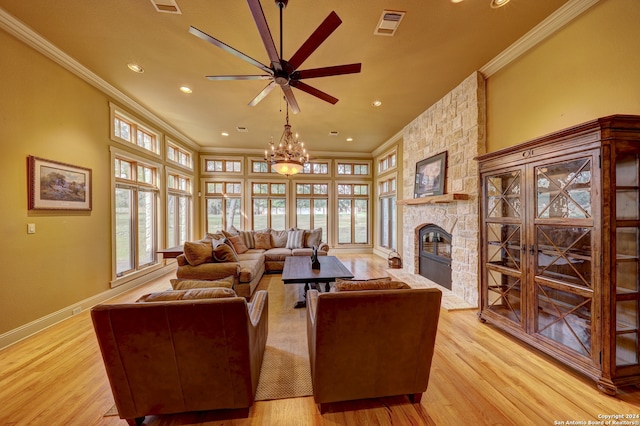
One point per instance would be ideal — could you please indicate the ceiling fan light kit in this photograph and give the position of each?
(280, 72)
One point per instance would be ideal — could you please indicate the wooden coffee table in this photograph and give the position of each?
(297, 270)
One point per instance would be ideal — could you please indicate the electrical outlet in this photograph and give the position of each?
(76, 310)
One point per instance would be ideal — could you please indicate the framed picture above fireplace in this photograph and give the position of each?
(430, 176)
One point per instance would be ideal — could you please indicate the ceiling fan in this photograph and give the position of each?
(280, 72)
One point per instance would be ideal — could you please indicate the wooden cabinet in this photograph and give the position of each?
(560, 246)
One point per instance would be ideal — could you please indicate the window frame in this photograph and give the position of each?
(225, 159)
(170, 144)
(353, 198)
(224, 197)
(115, 112)
(269, 196)
(181, 193)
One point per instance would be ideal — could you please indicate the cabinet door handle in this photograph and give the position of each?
(531, 250)
(523, 248)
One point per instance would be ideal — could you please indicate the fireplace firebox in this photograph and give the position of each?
(435, 255)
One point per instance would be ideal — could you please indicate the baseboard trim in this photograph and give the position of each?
(17, 334)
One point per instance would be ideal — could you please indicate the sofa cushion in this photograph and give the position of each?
(312, 238)
(238, 244)
(186, 284)
(294, 239)
(196, 293)
(250, 268)
(251, 254)
(262, 240)
(279, 238)
(224, 253)
(277, 254)
(198, 252)
(306, 252)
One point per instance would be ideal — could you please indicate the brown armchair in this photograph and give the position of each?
(183, 355)
(371, 343)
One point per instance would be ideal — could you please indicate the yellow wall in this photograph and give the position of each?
(48, 112)
(589, 69)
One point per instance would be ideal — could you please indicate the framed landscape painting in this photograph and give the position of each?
(430, 176)
(58, 186)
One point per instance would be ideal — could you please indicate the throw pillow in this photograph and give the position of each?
(186, 284)
(238, 244)
(385, 283)
(294, 239)
(248, 239)
(279, 238)
(198, 252)
(224, 253)
(313, 238)
(214, 236)
(263, 240)
(198, 293)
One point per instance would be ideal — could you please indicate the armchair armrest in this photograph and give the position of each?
(258, 307)
(323, 247)
(258, 311)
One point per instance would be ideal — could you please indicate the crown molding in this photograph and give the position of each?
(537, 34)
(25, 34)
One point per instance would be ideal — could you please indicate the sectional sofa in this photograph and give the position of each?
(245, 255)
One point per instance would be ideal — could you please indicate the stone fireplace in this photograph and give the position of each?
(455, 124)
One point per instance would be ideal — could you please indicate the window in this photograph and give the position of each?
(388, 214)
(136, 214)
(179, 202)
(260, 166)
(223, 204)
(130, 131)
(179, 155)
(387, 162)
(316, 168)
(359, 169)
(312, 206)
(269, 205)
(353, 213)
(223, 166)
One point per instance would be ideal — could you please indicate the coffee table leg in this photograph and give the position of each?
(302, 303)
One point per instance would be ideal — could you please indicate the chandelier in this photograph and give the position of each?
(289, 155)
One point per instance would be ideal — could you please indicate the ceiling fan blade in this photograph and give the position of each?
(313, 91)
(321, 33)
(206, 37)
(255, 101)
(263, 29)
(239, 77)
(328, 71)
(291, 99)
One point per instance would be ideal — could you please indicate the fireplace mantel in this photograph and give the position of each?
(434, 199)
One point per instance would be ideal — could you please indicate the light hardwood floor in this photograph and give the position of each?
(480, 376)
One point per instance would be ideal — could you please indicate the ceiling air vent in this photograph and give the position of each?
(241, 129)
(166, 6)
(389, 22)
(333, 133)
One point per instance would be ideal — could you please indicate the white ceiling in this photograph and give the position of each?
(438, 44)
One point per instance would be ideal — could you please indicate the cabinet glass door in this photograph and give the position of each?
(563, 241)
(503, 227)
(627, 259)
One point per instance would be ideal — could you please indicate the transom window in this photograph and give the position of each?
(128, 130)
(316, 168)
(387, 162)
(179, 155)
(260, 166)
(359, 169)
(353, 189)
(223, 166)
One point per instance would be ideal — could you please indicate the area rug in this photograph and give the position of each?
(450, 301)
(285, 369)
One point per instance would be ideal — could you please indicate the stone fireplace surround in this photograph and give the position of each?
(456, 124)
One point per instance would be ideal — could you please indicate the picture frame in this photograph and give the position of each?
(430, 176)
(58, 186)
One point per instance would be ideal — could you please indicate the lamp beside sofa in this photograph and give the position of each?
(254, 252)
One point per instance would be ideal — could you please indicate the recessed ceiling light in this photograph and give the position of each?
(185, 89)
(349, 139)
(224, 134)
(376, 103)
(498, 3)
(135, 68)
(456, 1)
